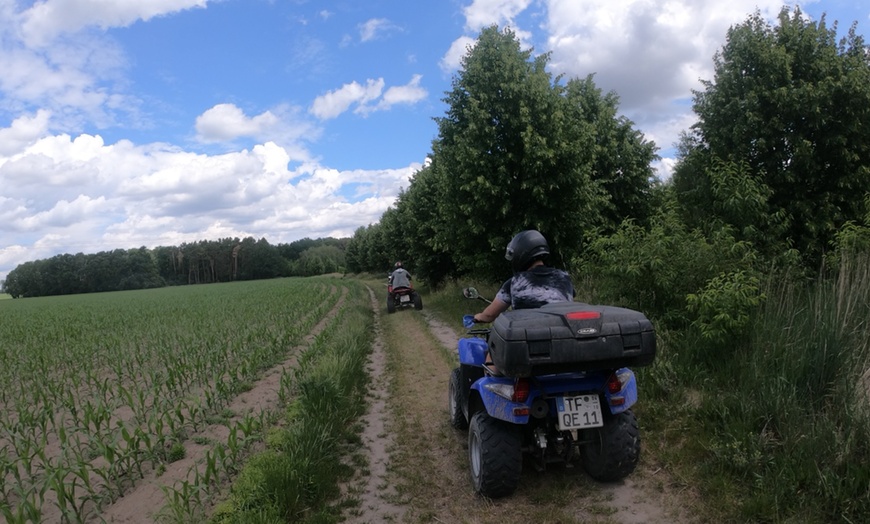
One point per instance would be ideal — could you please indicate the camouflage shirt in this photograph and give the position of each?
(536, 287)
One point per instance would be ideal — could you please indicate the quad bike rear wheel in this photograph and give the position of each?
(495, 455)
(614, 449)
(418, 301)
(391, 303)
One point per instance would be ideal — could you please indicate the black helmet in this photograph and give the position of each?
(398, 264)
(525, 247)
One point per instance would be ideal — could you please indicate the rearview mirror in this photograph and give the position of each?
(470, 292)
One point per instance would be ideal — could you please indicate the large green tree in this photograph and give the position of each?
(621, 156)
(518, 150)
(789, 106)
(506, 157)
(412, 226)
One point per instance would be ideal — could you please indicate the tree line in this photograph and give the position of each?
(202, 262)
(516, 149)
(775, 174)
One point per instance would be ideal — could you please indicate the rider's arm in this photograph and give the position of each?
(496, 308)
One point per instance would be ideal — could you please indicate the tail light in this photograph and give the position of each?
(521, 390)
(614, 384)
(517, 392)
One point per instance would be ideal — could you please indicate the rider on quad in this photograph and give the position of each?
(533, 283)
(400, 292)
(549, 379)
(400, 277)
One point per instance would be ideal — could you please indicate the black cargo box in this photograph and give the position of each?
(570, 336)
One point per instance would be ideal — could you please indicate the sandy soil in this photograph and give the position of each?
(418, 465)
(375, 494)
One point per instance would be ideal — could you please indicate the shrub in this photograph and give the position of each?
(724, 307)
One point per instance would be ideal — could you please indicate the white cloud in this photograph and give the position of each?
(48, 19)
(78, 77)
(337, 102)
(283, 125)
(482, 13)
(664, 168)
(225, 122)
(23, 131)
(11, 256)
(408, 94)
(375, 28)
(651, 52)
(452, 60)
(64, 212)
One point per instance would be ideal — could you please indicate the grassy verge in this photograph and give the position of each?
(294, 479)
(774, 427)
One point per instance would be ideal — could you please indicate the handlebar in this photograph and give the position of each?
(468, 322)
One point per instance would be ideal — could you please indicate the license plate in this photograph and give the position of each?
(579, 412)
(404, 298)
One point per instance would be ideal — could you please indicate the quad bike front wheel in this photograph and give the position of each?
(613, 450)
(454, 399)
(495, 455)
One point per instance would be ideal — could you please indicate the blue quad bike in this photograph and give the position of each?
(547, 384)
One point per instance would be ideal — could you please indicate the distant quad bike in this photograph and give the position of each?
(402, 297)
(547, 383)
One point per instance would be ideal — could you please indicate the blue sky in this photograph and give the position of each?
(127, 124)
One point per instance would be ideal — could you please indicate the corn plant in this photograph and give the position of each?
(113, 380)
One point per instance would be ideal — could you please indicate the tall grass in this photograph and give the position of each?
(784, 416)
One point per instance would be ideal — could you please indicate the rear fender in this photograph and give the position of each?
(625, 397)
(499, 407)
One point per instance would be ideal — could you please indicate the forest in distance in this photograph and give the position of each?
(202, 262)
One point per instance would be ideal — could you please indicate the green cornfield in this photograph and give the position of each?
(99, 391)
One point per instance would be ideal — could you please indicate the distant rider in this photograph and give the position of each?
(400, 277)
(534, 284)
